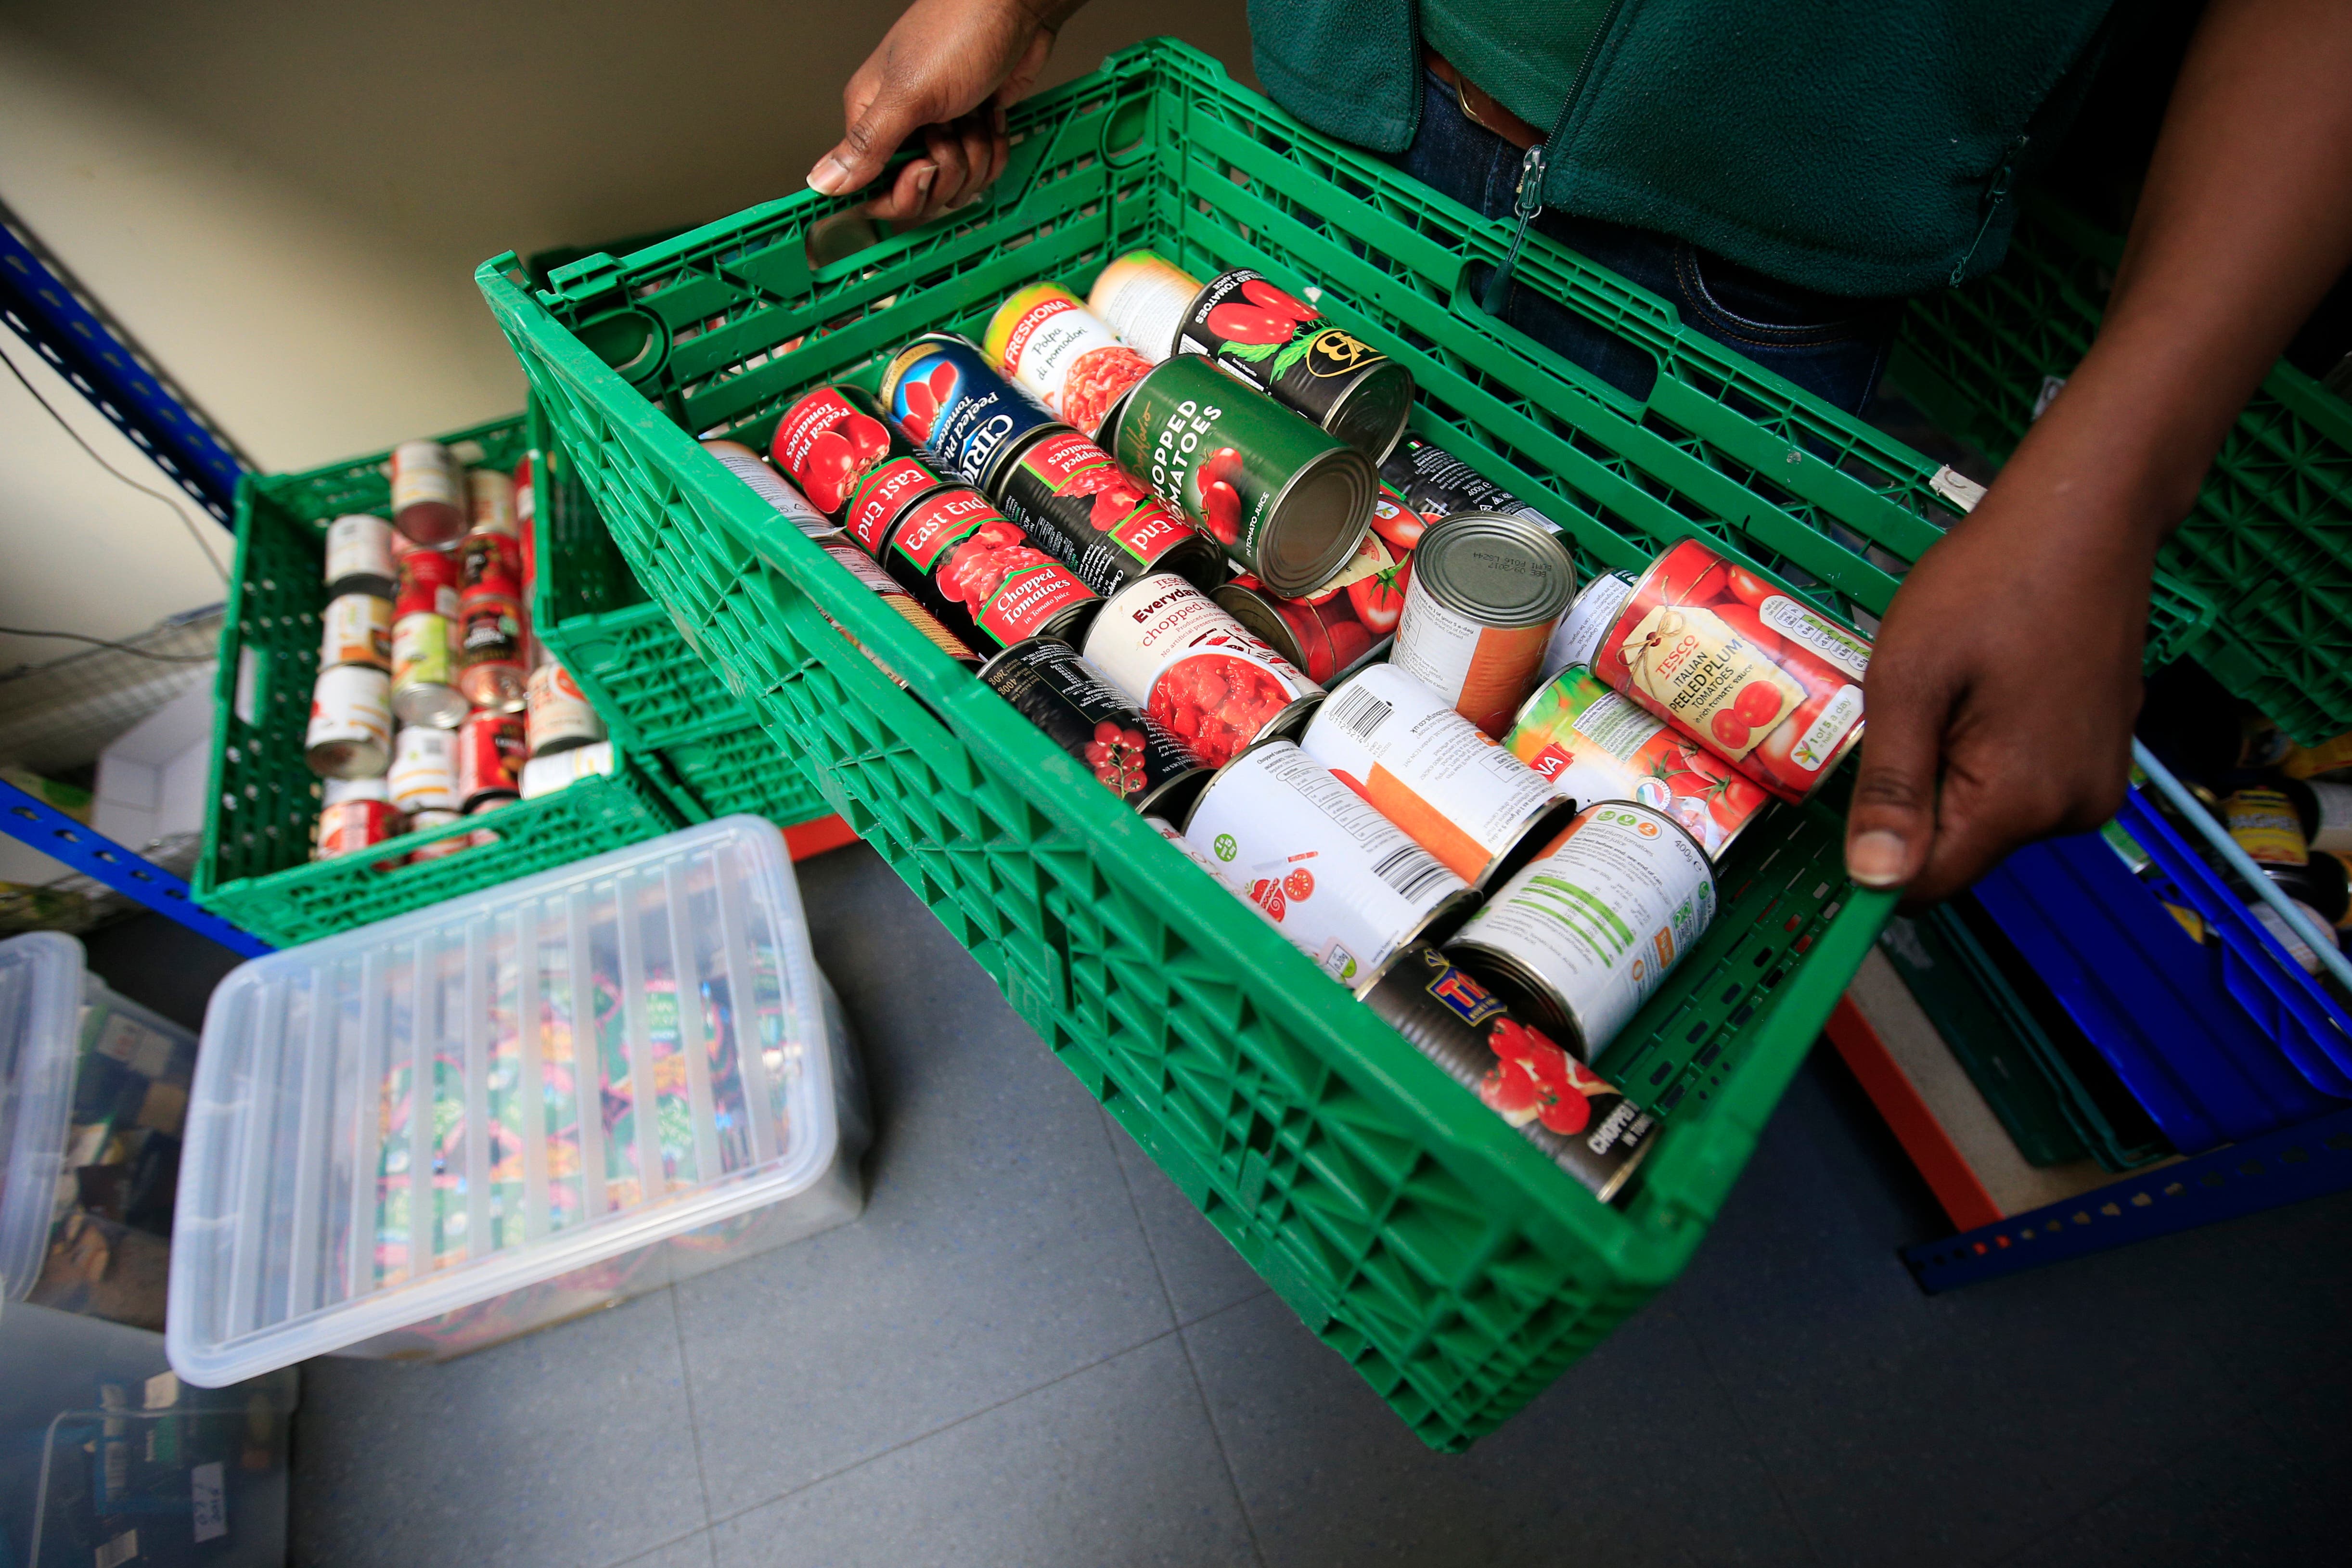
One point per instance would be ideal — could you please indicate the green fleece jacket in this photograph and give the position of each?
(1862, 147)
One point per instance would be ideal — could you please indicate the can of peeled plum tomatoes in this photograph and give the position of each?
(1125, 748)
(357, 629)
(1281, 346)
(556, 715)
(1143, 297)
(489, 758)
(1346, 885)
(1063, 354)
(1329, 632)
(360, 558)
(428, 492)
(1582, 1124)
(349, 733)
(1193, 668)
(983, 579)
(1068, 496)
(350, 825)
(1474, 806)
(788, 502)
(944, 392)
(1737, 663)
(1486, 590)
(1285, 501)
(1579, 939)
(830, 440)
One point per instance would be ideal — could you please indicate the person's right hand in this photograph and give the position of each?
(946, 70)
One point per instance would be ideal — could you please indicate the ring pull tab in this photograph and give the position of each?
(1526, 201)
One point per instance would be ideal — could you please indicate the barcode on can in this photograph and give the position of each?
(1411, 870)
(1360, 713)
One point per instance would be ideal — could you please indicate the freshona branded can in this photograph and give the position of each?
(1193, 666)
(1063, 354)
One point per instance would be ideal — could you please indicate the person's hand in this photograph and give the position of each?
(945, 70)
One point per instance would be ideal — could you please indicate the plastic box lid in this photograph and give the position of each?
(40, 1035)
(681, 966)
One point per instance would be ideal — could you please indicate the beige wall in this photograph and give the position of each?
(285, 203)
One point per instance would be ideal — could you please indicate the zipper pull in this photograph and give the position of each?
(1526, 201)
(1996, 192)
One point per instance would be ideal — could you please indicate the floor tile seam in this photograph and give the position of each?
(1135, 1208)
(686, 1385)
(1739, 1419)
(2137, 1477)
(702, 1530)
(1217, 1437)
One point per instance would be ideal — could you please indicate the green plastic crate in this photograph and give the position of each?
(1404, 1222)
(2266, 543)
(256, 869)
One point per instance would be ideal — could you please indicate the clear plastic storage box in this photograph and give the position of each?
(440, 1131)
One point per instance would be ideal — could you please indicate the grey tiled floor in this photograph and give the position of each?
(1031, 1350)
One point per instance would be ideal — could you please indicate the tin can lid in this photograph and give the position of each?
(1497, 569)
(1255, 609)
(1371, 416)
(1587, 620)
(1316, 524)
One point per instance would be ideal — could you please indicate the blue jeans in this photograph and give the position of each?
(1831, 346)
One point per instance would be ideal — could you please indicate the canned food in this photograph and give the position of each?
(1595, 744)
(2264, 825)
(829, 440)
(350, 734)
(1171, 832)
(556, 716)
(1067, 495)
(963, 562)
(357, 629)
(943, 392)
(1582, 1124)
(1578, 941)
(882, 497)
(1128, 750)
(428, 584)
(428, 496)
(1282, 346)
(1436, 484)
(545, 776)
(1285, 501)
(423, 672)
(1341, 881)
(1143, 297)
(334, 792)
(356, 825)
(1063, 354)
(425, 769)
(1327, 633)
(1486, 592)
(789, 503)
(424, 820)
(488, 564)
(490, 507)
(886, 587)
(1475, 806)
(1195, 668)
(489, 758)
(1732, 660)
(489, 652)
(1576, 639)
(360, 558)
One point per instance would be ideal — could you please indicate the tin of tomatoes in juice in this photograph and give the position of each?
(1175, 836)
(428, 492)
(425, 769)
(983, 579)
(423, 821)
(1285, 501)
(1486, 590)
(1104, 525)
(1579, 939)
(489, 651)
(356, 629)
(1597, 745)
(1457, 794)
(360, 557)
(882, 497)
(428, 584)
(349, 733)
(423, 672)
(829, 440)
(1143, 297)
(886, 587)
(356, 825)
(1346, 885)
(785, 500)
(1582, 1124)
(1330, 633)
(490, 758)
(1282, 346)
(943, 391)
(1193, 666)
(1126, 750)
(1063, 354)
(556, 716)
(1733, 661)
(1436, 484)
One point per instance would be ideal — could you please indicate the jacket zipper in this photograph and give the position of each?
(1996, 192)
(1527, 201)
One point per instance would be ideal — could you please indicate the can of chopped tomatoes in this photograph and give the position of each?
(349, 733)
(428, 492)
(882, 496)
(782, 498)
(1576, 639)
(429, 583)
(831, 440)
(424, 821)
(490, 650)
(1285, 501)
(944, 392)
(886, 587)
(1740, 665)
(1436, 484)
(983, 579)
(490, 752)
(557, 715)
(425, 769)
(351, 825)
(1331, 631)
(1589, 928)
(423, 672)
(1486, 590)
(1143, 297)
(1064, 355)
(1347, 886)
(1067, 495)
(1581, 1121)
(1126, 749)
(1282, 346)
(360, 557)
(1196, 669)
(356, 629)
(1477, 807)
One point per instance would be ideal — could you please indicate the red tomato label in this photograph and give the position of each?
(881, 494)
(939, 520)
(1025, 602)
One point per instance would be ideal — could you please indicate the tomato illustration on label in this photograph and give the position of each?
(994, 552)
(925, 398)
(1117, 757)
(1378, 599)
(825, 444)
(1299, 886)
(1395, 521)
(1534, 1080)
(1220, 502)
(1216, 704)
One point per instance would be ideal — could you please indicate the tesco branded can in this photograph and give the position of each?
(1583, 1123)
(489, 497)
(1068, 494)
(349, 733)
(1579, 939)
(1486, 590)
(1739, 664)
(423, 672)
(1048, 683)
(423, 821)
(1143, 297)
(355, 824)
(860, 565)
(944, 392)
(429, 583)
(981, 575)
(489, 651)
(545, 776)
(360, 557)
(1471, 803)
(1193, 666)
(1436, 484)
(830, 440)
(1341, 881)
(425, 769)
(1284, 347)
(356, 629)
(1064, 355)
(556, 716)
(769, 486)
(1285, 501)
(489, 758)
(428, 492)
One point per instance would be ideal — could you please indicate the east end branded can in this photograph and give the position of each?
(556, 716)
(1067, 495)
(883, 496)
(428, 494)
(1486, 589)
(351, 825)
(1455, 793)
(1063, 354)
(425, 769)
(963, 562)
(1193, 668)
(1346, 885)
(943, 392)
(884, 587)
(1729, 659)
(1581, 1121)
(356, 629)
(1282, 346)
(1436, 484)
(423, 674)
(349, 733)
(360, 557)
(489, 758)
(829, 440)
(783, 499)
(1067, 699)
(1596, 744)
(1285, 501)
(1585, 931)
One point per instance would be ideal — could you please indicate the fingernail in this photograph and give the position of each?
(923, 180)
(830, 177)
(1875, 858)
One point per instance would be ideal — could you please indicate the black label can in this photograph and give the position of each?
(1436, 484)
(1073, 500)
(1281, 346)
(944, 392)
(1080, 711)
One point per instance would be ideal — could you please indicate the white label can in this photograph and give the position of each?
(1143, 298)
(491, 508)
(556, 716)
(357, 629)
(424, 768)
(350, 734)
(359, 556)
(773, 488)
(1487, 589)
(1177, 654)
(428, 497)
(545, 776)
